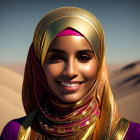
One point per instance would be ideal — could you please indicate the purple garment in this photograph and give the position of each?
(133, 132)
(10, 131)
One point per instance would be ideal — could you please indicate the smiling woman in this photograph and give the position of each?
(70, 67)
(66, 92)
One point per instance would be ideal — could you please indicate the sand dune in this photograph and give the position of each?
(8, 112)
(11, 79)
(10, 96)
(125, 83)
(18, 68)
(129, 106)
(126, 80)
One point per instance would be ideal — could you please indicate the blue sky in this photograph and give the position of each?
(120, 21)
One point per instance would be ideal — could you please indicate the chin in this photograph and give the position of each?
(70, 99)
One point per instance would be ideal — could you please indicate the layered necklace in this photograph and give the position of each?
(79, 123)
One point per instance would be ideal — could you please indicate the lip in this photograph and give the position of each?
(70, 85)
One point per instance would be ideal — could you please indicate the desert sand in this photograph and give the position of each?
(124, 80)
(125, 83)
(10, 96)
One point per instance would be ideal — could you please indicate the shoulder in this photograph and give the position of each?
(133, 132)
(126, 130)
(10, 131)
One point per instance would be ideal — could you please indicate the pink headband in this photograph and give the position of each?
(67, 32)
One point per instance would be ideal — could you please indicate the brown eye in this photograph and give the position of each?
(55, 58)
(83, 58)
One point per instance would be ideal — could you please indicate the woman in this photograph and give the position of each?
(66, 93)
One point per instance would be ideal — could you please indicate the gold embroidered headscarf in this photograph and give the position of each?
(88, 25)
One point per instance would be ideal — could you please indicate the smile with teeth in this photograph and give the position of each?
(69, 84)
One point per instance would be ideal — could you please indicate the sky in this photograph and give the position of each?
(120, 21)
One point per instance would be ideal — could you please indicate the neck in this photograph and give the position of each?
(56, 107)
(78, 120)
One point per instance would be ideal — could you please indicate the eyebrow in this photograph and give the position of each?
(56, 50)
(85, 51)
(80, 51)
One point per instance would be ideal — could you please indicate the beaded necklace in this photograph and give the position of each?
(83, 118)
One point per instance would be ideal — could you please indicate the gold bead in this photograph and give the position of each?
(46, 127)
(75, 127)
(49, 128)
(84, 112)
(87, 122)
(61, 130)
(93, 118)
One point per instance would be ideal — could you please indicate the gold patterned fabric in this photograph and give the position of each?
(62, 18)
(88, 25)
(121, 129)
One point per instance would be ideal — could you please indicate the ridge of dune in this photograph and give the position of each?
(125, 84)
(133, 65)
(11, 96)
(11, 79)
(17, 68)
(126, 80)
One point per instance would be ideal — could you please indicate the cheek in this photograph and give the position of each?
(89, 70)
(53, 70)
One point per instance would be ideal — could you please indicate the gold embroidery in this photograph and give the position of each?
(76, 127)
(121, 130)
(25, 128)
(91, 128)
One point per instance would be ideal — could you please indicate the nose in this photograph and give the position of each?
(70, 69)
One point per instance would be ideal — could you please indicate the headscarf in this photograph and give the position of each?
(35, 84)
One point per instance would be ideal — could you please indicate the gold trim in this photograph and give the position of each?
(91, 128)
(73, 17)
(25, 128)
(71, 117)
(62, 130)
(72, 22)
(121, 130)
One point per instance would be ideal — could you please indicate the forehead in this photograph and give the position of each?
(68, 43)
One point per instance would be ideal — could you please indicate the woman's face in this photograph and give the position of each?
(70, 68)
